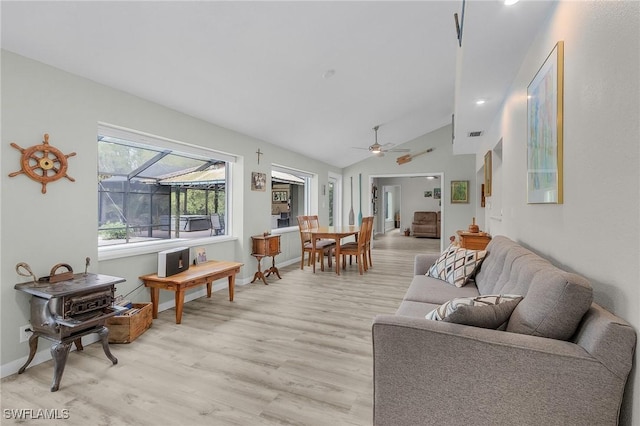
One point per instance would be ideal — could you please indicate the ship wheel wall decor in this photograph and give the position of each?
(43, 163)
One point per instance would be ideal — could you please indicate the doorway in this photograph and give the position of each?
(410, 193)
(391, 207)
(334, 195)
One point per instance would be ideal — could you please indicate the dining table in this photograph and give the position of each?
(336, 233)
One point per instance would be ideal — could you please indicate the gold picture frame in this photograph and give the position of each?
(487, 174)
(545, 105)
(459, 192)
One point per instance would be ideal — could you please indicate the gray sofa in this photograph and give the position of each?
(562, 359)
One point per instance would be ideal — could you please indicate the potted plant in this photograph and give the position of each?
(407, 232)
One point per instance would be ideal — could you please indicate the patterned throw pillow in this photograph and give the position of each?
(489, 311)
(456, 265)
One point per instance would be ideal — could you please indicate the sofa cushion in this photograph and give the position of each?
(426, 289)
(488, 311)
(554, 300)
(553, 306)
(412, 309)
(456, 265)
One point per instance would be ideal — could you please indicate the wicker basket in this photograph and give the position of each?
(127, 328)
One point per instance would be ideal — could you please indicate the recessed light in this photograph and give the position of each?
(480, 102)
(510, 2)
(328, 74)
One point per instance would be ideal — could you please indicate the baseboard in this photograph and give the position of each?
(44, 355)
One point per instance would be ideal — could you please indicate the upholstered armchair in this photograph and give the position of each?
(426, 224)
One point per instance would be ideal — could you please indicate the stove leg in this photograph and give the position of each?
(104, 336)
(33, 347)
(78, 343)
(59, 353)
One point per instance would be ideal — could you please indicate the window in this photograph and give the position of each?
(290, 196)
(152, 189)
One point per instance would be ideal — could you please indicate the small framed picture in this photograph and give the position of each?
(280, 196)
(436, 193)
(258, 181)
(428, 193)
(201, 255)
(459, 191)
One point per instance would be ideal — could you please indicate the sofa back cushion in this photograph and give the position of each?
(554, 300)
(425, 218)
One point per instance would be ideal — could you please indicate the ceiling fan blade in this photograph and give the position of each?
(397, 150)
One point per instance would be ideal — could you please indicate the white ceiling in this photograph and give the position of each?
(257, 67)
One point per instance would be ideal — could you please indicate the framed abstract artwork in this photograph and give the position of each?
(459, 191)
(544, 130)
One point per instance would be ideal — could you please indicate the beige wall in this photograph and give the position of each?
(596, 232)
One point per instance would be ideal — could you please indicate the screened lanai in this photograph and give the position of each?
(147, 193)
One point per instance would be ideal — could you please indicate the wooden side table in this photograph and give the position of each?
(265, 246)
(474, 240)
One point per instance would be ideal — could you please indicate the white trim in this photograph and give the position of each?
(148, 138)
(297, 172)
(337, 197)
(288, 229)
(137, 249)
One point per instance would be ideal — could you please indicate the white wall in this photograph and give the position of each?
(61, 226)
(412, 197)
(441, 160)
(596, 232)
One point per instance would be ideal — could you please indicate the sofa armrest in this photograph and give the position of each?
(429, 372)
(423, 262)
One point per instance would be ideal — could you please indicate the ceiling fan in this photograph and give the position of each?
(378, 149)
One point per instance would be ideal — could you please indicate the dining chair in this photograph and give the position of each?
(358, 248)
(313, 221)
(368, 223)
(322, 246)
(368, 243)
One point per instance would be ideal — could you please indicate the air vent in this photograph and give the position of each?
(475, 134)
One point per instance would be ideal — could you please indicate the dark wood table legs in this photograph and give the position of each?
(259, 275)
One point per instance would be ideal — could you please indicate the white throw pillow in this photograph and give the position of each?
(456, 265)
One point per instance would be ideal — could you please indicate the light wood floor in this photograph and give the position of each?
(295, 352)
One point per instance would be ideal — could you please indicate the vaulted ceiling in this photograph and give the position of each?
(313, 77)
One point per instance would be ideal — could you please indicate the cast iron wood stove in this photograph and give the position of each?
(65, 311)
